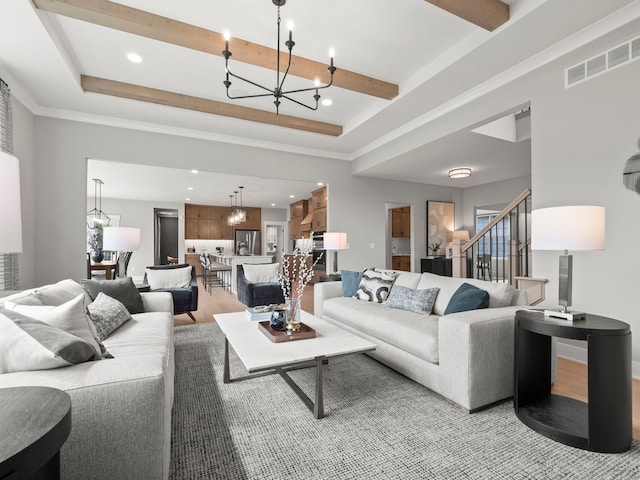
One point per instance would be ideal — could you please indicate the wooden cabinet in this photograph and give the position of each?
(193, 259)
(319, 205)
(319, 198)
(401, 222)
(209, 222)
(401, 262)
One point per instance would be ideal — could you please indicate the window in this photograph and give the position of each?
(496, 242)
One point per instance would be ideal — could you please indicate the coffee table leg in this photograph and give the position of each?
(318, 408)
(226, 374)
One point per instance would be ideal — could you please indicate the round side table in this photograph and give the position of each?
(36, 422)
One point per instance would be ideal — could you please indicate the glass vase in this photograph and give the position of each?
(292, 308)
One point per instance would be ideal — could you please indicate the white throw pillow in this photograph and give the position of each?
(70, 317)
(261, 272)
(169, 277)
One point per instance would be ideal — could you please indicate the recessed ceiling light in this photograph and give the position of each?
(194, 171)
(134, 57)
(292, 196)
(326, 102)
(188, 199)
(273, 204)
(320, 184)
(189, 188)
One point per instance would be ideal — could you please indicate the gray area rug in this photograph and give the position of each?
(379, 425)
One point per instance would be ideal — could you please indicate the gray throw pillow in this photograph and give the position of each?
(419, 301)
(122, 289)
(107, 314)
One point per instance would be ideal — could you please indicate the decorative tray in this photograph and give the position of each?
(277, 336)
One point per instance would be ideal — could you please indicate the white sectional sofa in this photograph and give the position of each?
(466, 357)
(120, 407)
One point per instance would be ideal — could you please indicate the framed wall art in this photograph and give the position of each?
(440, 223)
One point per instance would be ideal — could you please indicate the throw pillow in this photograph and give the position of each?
(29, 344)
(419, 301)
(375, 286)
(122, 289)
(261, 272)
(59, 293)
(350, 282)
(70, 317)
(107, 314)
(467, 297)
(168, 277)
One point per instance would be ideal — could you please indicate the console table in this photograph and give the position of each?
(438, 265)
(36, 422)
(604, 423)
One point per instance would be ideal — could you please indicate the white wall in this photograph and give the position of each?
(581, 138)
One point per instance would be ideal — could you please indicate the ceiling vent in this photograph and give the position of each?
(603, 62)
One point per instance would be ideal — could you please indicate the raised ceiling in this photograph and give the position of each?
(435, 58)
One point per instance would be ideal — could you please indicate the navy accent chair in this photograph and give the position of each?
(254, 294)
(185, 300)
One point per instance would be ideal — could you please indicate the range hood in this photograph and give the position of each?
(307, 220)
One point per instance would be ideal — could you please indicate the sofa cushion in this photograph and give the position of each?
(54, 295)
(29, 344)
(350, 282)
(409, 331)
(467, 297)
(71, 317)
(122, 289)
(419, 301)
(500, 294)
(168, 278)
(261, 272)
(107, 314)
(408, 279)
(375, 286)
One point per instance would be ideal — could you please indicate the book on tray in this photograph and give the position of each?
(260, 312)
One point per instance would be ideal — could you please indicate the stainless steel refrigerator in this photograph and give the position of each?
(247, 242)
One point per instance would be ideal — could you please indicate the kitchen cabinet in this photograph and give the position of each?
(209, 222)
(401, 262)
(297, 213)
(319, 198)
(401, 222)
(319, 206)
(193, 259)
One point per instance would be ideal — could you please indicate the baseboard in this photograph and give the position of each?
(579, 354)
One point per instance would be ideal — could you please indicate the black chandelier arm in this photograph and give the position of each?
(286, 71)
(250, 82)
(300, 103)
(310, 89)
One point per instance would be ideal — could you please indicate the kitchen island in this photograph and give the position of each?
(234, 260)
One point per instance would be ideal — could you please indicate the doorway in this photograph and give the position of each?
(275, 237)
(399, 251)
(165, 235)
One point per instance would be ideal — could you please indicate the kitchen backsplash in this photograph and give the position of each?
(209, 246)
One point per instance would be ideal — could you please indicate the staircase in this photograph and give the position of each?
(501, 252)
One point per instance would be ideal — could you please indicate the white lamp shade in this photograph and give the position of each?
(10, 214)
(125, 239)
(460, 235)
(578, 227)
(334, 240)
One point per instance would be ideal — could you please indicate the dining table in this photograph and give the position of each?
(108, 266)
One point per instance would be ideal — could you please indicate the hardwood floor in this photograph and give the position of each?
(571, 380)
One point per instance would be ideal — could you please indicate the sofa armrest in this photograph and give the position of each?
(157, 302)
(476, 356)
(323, 291)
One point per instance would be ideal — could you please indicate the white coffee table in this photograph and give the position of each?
(261, 356)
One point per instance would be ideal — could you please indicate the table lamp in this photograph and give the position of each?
(335, 241)
(577, 228)
(10, 220)
(123, 240)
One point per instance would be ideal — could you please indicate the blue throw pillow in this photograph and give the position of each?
(350, 282)
(467, 297)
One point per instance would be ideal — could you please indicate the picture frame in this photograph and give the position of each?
(440, 223)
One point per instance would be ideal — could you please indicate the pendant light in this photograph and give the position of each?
(241, 214)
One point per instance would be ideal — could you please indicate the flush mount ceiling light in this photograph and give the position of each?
(460, 172)
(278, 92)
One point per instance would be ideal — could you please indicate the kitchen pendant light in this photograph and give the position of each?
(241, 213)
(231, 219)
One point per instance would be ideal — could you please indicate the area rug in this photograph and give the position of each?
(378, 425)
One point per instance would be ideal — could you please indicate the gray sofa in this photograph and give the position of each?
(120, 407)
(466, 357)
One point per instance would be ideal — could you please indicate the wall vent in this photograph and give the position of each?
(603, 62)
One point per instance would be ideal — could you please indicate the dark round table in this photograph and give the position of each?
(34, 424)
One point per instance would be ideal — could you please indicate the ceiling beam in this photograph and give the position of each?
(488, 14)
(131, 20)
(172, 99)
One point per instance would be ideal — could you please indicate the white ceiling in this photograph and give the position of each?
(435, 57)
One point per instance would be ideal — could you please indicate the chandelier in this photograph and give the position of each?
(96, 217)
(278, 92)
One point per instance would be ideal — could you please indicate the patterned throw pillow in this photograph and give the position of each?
(419, 301)
(107, 315)
(29, 344)
(375, 286)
